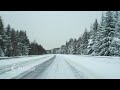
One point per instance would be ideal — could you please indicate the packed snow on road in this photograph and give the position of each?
(58, 66)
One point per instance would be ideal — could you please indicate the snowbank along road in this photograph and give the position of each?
(60, 67)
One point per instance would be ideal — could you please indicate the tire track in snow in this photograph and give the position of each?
(39, 69)
(7, 68)
(78, 74)
(81, 69)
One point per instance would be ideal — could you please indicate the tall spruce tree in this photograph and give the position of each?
(14, 42)
(84, 42)
(8, 44)
(78, 45)
(3, 37)
(94, 30)
(107, 31)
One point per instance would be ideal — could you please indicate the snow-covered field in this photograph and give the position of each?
(61, 67)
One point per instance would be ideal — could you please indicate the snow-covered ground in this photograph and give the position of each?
(104, 67)
(14, 67)
(17, 60)
(61, 67)
(1, 58)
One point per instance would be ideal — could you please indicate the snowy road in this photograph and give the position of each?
(61, 67)
(55, 68)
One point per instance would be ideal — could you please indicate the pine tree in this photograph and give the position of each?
(25, 44)
(70, 46)
(116, 16)
(93, 35)
(3, 37)
(74, 46)
(14, 42)
(62, 49)
(84, 43)
(8, 43)
(106, 34)
(102, 20)
(117, 34)
(78, 45)
(66, 51)
(99, 35)
(1, 52)
(19, 44)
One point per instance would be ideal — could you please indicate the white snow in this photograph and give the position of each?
(117, 39)
(69, 67)
(4, 57)
(104, 67)
(58, 70)
(17, 60)
(19, 70)
(84, 67)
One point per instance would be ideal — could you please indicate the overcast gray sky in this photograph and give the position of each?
(51, 29)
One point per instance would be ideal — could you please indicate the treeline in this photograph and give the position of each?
(36, 49)
(16, 43)
(103, 38)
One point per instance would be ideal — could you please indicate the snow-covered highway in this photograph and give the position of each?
(61, 67)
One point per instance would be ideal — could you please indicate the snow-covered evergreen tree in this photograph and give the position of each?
(25, 44)
(8, 43)
(3, 37)
(63, 49)
(71, 46)
(1, 52)
(117, 34)
(84, 42)
(14, 42)
(74, 46)
(66, 47)
(96, 46)
(93, 35)
(78, 45)
(105, 41)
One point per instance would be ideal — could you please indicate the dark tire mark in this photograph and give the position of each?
(13, 57)
(9, 58)
(78, 74)
(39, 69)
(7, 68)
